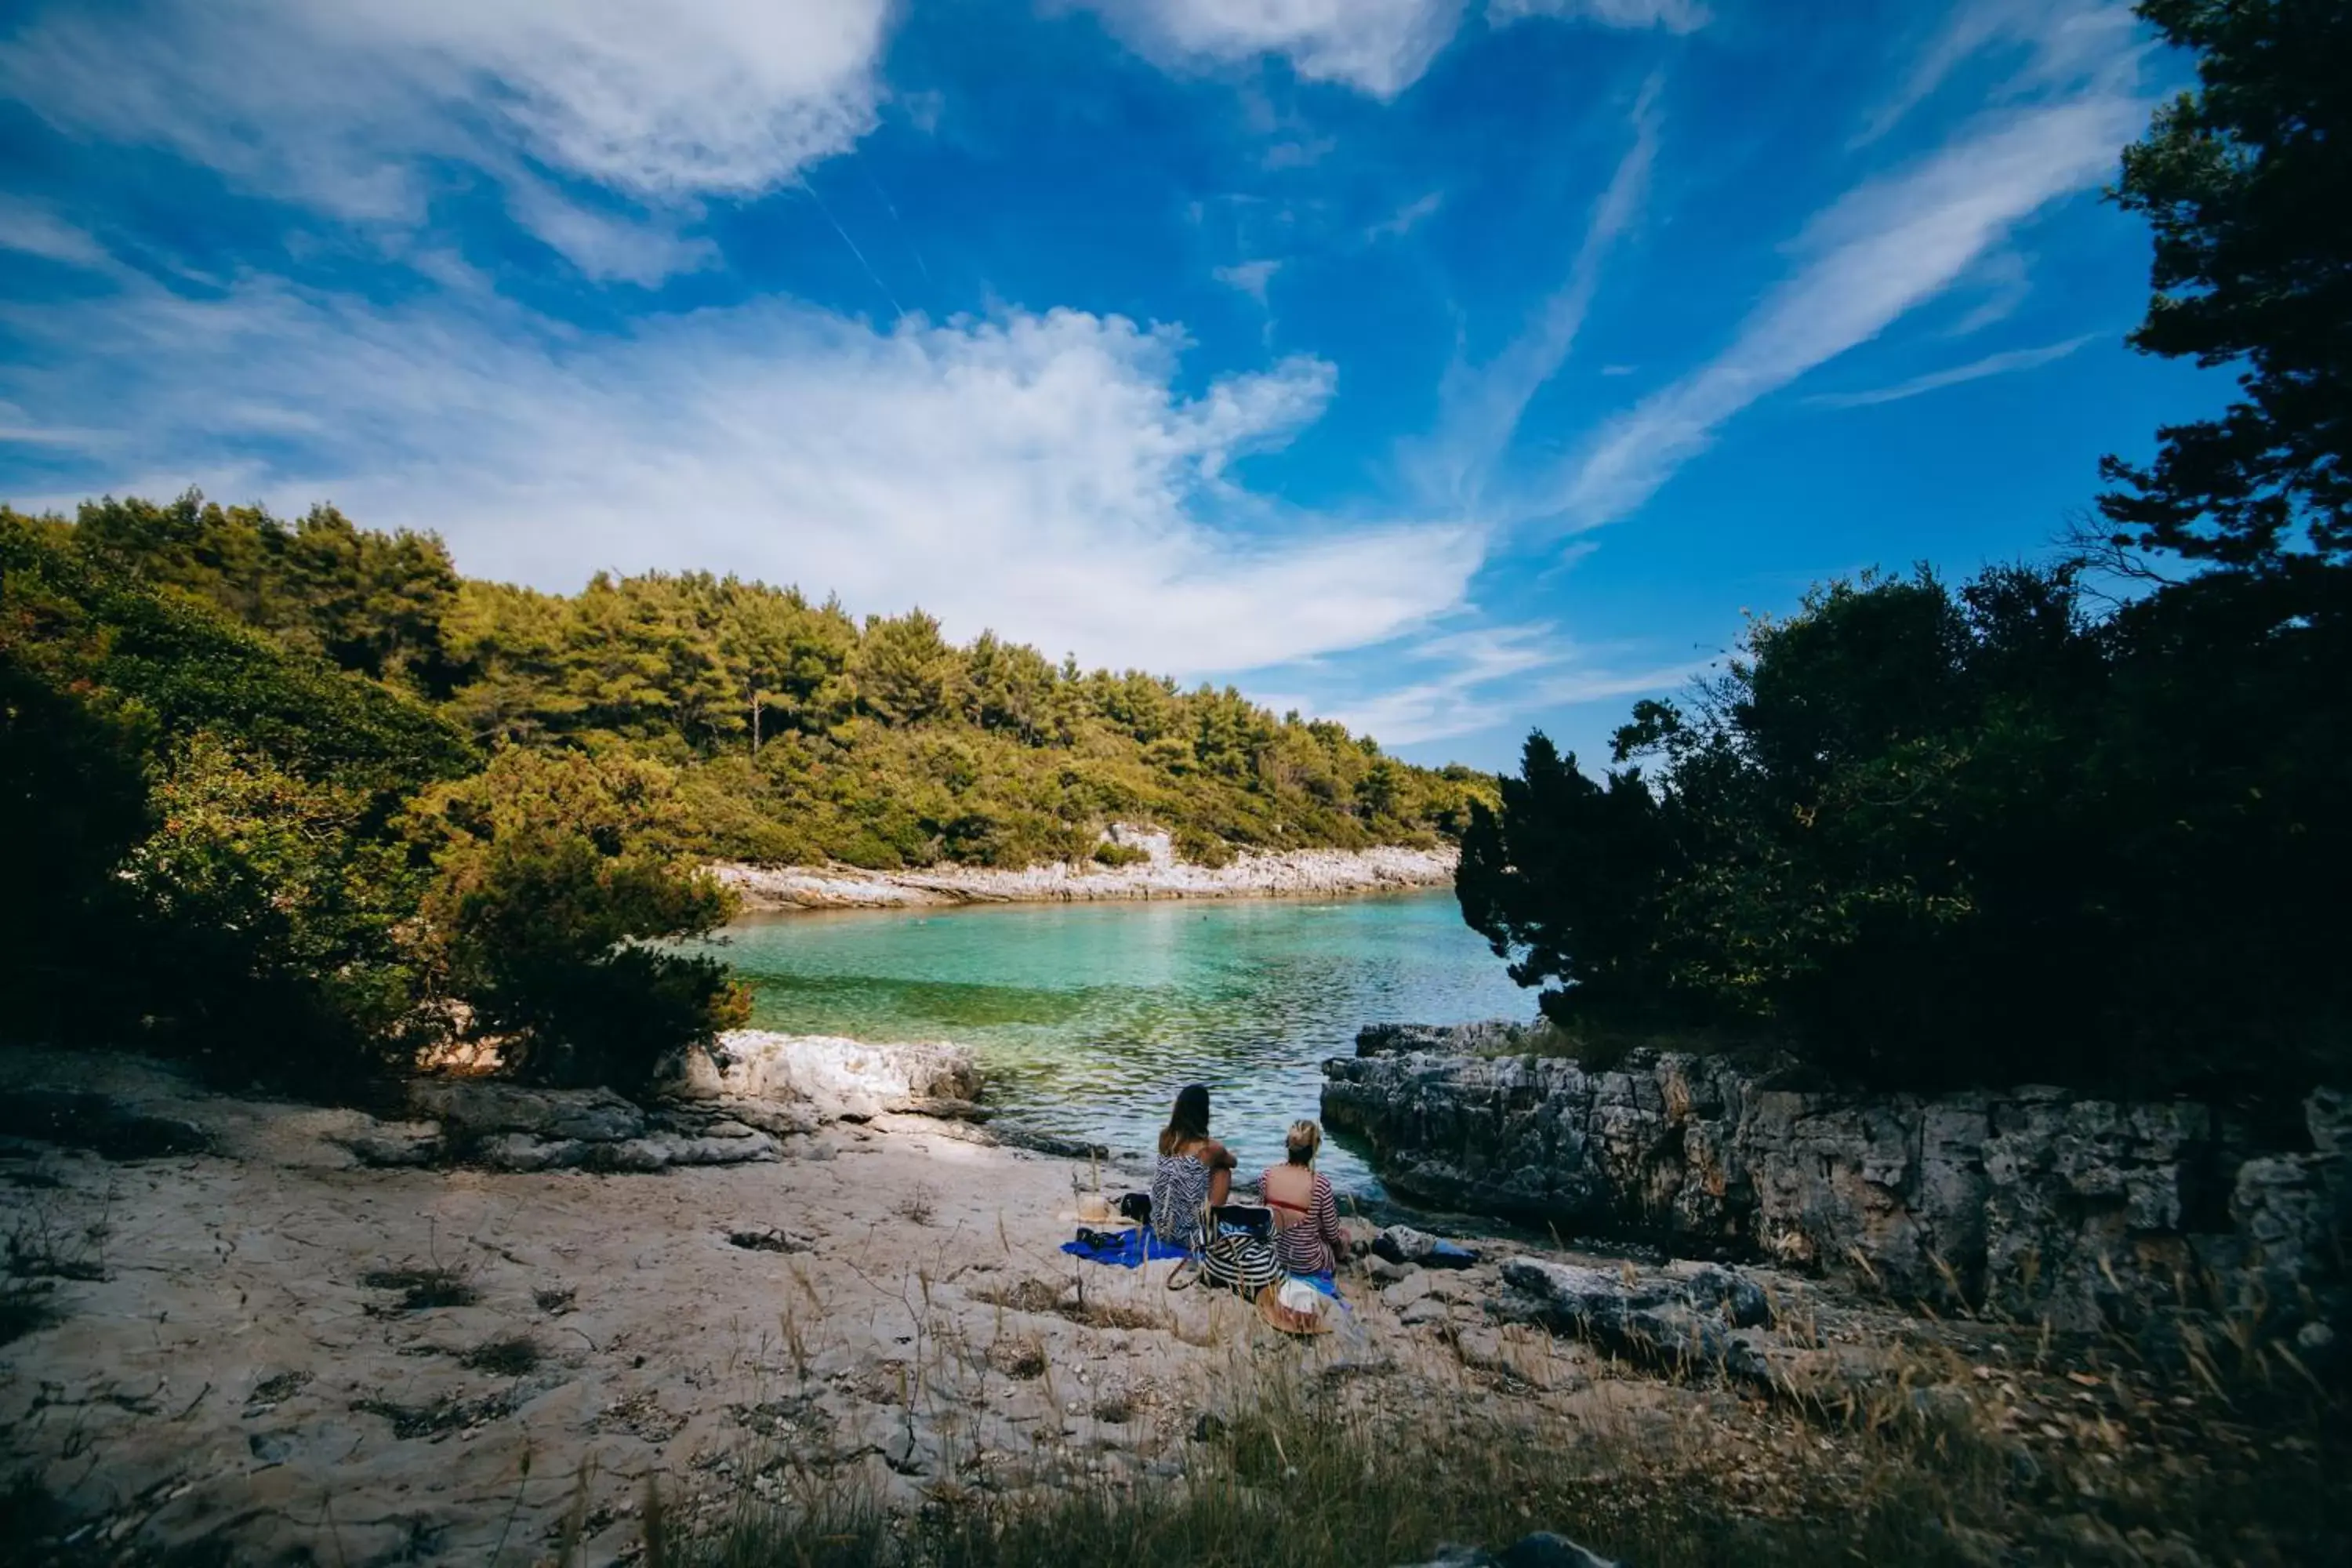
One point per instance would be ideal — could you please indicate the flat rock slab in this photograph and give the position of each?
(475, 1108)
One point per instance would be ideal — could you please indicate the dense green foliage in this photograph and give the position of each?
(799, 734)
(1931, 836)
(226, 845)
(2247, 183)
(301, 795)
(554, 870)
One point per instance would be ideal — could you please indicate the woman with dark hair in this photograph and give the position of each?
(1194, 1172)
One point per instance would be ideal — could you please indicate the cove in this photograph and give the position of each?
(1087, 1018)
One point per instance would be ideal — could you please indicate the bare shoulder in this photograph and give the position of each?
(1215, 1156)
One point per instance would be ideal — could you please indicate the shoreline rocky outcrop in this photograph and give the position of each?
(1292, 873)
(230, 1340)
(726, 1106)
(2034, 1202)
(479, 1357)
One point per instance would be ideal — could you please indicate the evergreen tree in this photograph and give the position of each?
(2247, 183)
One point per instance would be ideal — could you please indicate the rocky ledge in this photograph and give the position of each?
(1160, 875)
(728, 1106)
(2035, 1201)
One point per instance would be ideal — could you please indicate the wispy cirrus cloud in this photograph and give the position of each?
(1673, 15)
(1376, 47)
(1465, 682)
(351, 108)
(1872, 257)
(1481, 405)
(1975, 370)
(1406, 218)
(32, 230)
(1249, 276)
(1037, 473)
(2057, 44)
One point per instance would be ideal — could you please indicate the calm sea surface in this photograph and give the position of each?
(1088, 1018)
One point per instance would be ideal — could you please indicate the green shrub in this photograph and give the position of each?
(552, 870)
(1931, 839)
(1200, 847)
(1115, 855)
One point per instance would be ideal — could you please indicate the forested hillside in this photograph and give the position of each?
(801, 734)
(299, 800)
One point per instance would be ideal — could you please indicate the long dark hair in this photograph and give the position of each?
(1189, 1122)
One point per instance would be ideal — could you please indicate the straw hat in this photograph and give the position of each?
(1095, 1209)
(1316, 1320)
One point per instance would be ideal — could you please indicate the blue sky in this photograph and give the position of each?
(1446, 368)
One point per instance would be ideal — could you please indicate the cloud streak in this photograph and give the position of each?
(1865, 262)
(351, 108)
(2065, 44)
(1481, 407)
(1486, 677)
(1039, 474)
(1672, 15)
(1378, 47)
(1976, 370)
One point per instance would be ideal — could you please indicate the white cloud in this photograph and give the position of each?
(604, 244)
(1674, 15)
(1037, 474)
(1377, 47)
(34, 231)
(346, 106)
(1250, 276)
(1975, 370)
(1298, 153)
(2002, 280)
(1484, 678)
(1406, 218)
(1480, 407)
(1873, 255)
(2063, 44)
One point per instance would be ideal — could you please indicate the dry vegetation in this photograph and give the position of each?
(1970, 1444)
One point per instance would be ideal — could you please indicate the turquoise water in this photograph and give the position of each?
(1088, 1018)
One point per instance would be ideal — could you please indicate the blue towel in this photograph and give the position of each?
(1133, 1249)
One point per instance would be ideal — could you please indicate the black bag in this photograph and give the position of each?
(1240, 1263)
(1242, 1219)
(1136, 1206)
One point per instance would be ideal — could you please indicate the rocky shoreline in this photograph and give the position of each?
(235, 1329)
(2035, 1203)
(481, 1334)
(1289, 873)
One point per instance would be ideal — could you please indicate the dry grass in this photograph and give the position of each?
(1980, 1445)
(920, 1204)
(509, 1355)
(421, 1289)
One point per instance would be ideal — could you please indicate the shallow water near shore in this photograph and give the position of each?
(1087, 1018)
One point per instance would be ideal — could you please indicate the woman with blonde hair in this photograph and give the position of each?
(1308, 1237)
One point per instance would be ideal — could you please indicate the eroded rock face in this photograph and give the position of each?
(726, 1106)
(839, 1078)
(2088, 1212)
(482, 1108)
